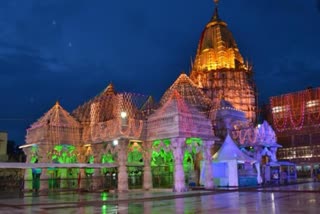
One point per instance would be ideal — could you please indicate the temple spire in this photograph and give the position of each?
(216, 14)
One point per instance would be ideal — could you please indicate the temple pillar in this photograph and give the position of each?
(122, 165)
(273, 151)
(28, 171)
(44, 178)
(82, 179)
(208, 182)
(178, 147)
(97, 175)
(147, 175)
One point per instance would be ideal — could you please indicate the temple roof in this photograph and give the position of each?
(56, 116)
(109, 90)
(109, 104)
(217, 48)
(104, 100)
(176, 118)
(189, 92)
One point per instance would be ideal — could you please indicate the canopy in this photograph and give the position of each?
(230, 151)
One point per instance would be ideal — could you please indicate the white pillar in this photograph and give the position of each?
(147, 175)
(122, 163)
(178, 146)
(208, 182)
(259, 179)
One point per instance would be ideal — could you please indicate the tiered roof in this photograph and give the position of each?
(190, 93)
(56, 116)
(57, 126)
(109, 104)
(102, 103)
(217, 48)
(176, 118)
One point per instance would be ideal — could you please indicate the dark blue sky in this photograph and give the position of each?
(70, 50)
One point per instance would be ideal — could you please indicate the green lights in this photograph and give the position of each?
(104, 196)
(192, 140)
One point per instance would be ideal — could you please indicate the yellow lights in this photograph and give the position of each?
(87, 145)
(123, 114)
(210, 59)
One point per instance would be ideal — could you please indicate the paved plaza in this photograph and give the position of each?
(298, 198)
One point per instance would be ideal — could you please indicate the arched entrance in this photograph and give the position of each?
(110, 175)
(63, 177)
(192, 160)
(175, 159)
(135, 165)
(162, 164)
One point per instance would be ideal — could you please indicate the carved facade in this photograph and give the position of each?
(220, 71)
(112, 126)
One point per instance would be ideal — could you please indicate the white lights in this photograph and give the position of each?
(26, 145)
(312, 103)
(123, 114)
(115, 142)
(278, 109)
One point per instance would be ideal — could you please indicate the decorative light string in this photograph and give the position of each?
(294, 111)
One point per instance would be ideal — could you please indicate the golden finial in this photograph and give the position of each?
(215, 14)
(57, 103)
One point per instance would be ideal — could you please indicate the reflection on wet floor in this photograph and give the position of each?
(300, 198)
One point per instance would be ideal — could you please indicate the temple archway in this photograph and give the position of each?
(63, 177)
(192, 160)
(135, 164)
(162, 164)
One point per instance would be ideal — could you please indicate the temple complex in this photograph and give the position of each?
(137, 141)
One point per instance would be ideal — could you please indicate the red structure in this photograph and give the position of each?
(296, 120)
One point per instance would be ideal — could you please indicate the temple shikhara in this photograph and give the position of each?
(204, 122)
(220, 70)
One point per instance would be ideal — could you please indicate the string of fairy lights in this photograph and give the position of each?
(62, 127)
(260, 135)
(294, 111)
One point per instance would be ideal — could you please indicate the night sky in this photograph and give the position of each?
(71, 50)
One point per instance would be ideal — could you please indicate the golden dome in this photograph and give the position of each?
(217, 48)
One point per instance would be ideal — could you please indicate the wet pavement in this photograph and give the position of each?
(298, 198)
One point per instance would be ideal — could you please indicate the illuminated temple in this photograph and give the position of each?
(139, 142)
(220, 70)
